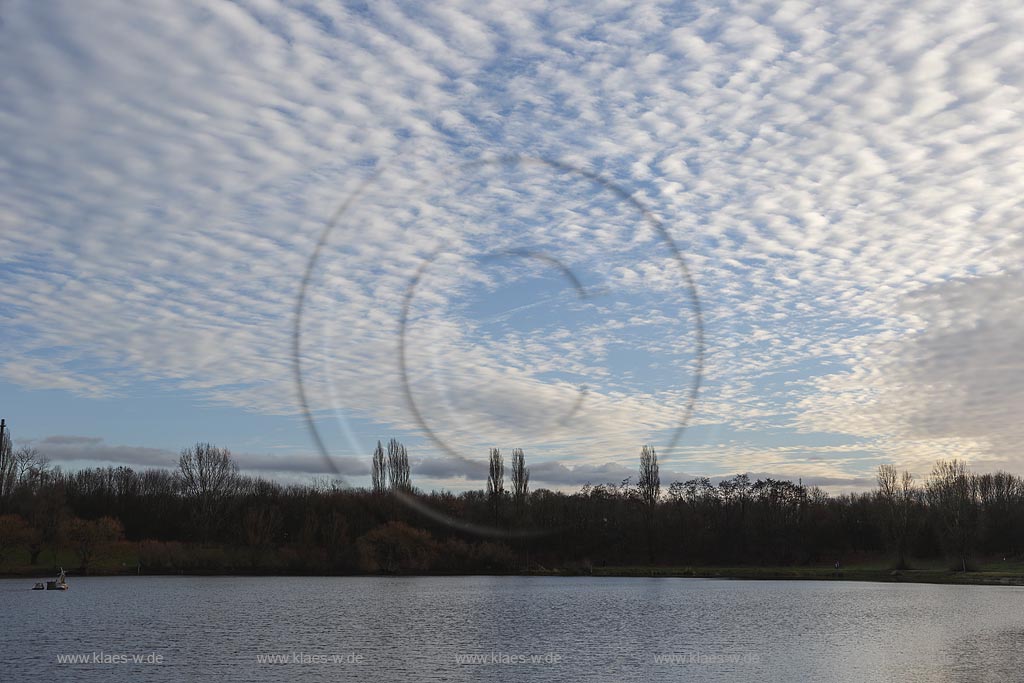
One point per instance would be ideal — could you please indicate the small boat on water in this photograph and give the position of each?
(59, 584)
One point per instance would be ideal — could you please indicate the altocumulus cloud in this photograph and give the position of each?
(845, 180)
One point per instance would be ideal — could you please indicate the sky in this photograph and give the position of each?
(766, 237)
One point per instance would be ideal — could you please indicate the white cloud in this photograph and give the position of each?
(844, 179)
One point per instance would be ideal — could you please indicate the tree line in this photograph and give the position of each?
(205, 515)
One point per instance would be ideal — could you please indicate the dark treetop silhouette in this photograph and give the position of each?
(206, 516)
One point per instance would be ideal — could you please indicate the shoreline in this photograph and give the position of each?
(926, 576)
(933, 576)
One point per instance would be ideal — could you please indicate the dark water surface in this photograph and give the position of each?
(574, 629)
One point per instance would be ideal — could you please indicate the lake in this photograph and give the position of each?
(507, 628)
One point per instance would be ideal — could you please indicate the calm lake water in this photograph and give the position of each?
(575, 629)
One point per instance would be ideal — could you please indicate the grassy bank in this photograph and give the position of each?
(124, 559)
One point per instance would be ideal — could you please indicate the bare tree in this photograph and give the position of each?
(496, 474)
(209, 476)
(8, 466)
(897, 495)
(46, 511)
(520, 479)
(953, 496)
(15, 466)
(1001, 495)
(399, 478)
(495, 479)
(30, 465)
(380, 470)
(649, 488)
(650, 480)
(207, 471)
